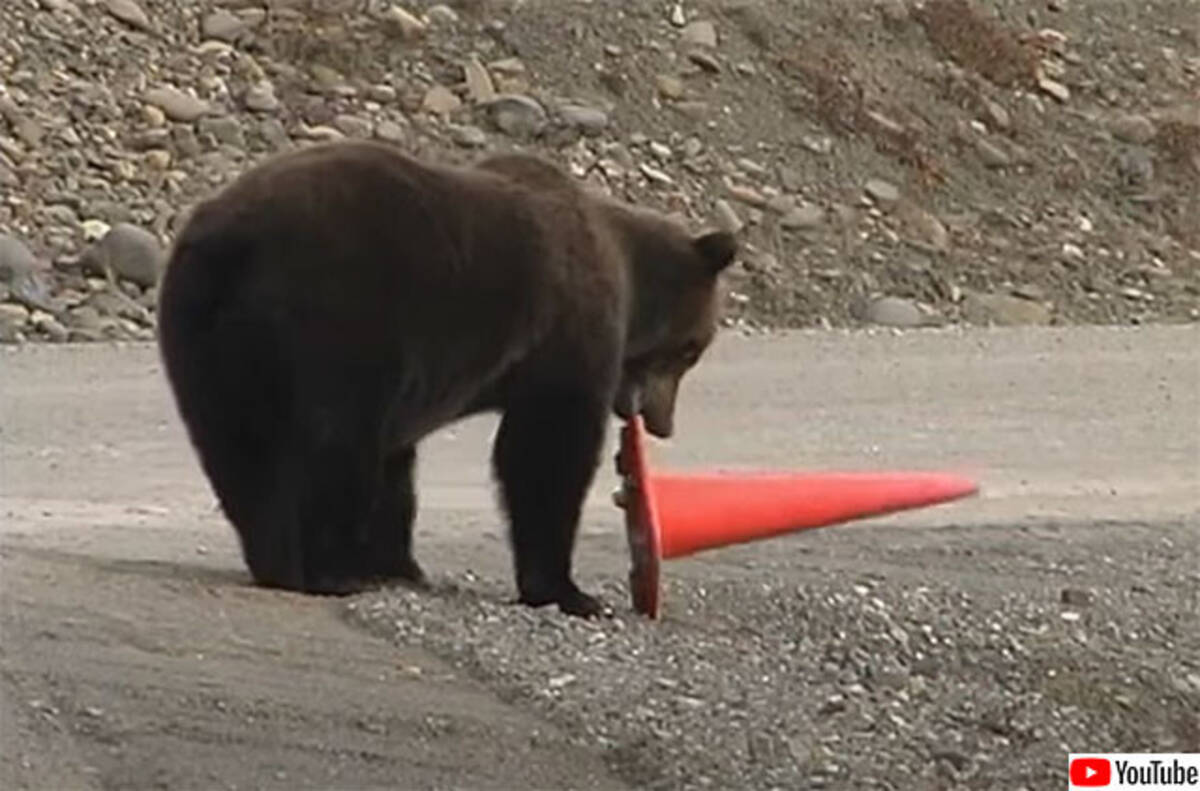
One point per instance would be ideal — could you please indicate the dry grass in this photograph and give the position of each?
(1181, 216)
(978, 41)
(839, 97)
(305, 33)
(1178, 142)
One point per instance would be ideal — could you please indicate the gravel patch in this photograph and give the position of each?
(764, 675)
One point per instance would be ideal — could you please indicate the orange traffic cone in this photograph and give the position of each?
(668, 516)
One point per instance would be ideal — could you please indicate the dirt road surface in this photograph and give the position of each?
(954, 647)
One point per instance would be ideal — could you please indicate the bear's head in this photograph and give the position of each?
(672, 277)
(674, 313)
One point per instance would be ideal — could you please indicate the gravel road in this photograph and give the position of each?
(971, 645)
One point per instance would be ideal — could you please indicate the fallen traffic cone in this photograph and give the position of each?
(668, 516)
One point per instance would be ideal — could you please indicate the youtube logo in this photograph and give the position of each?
(1090, 772)
(1134, 771)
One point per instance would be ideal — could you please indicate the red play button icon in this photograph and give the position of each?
(1091, 772)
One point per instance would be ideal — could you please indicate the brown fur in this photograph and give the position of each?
(334, 305)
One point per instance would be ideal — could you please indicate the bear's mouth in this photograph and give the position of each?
(653, 400)
(627, 400)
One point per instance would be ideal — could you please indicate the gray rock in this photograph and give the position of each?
(15, 258)
(882, 192)
(224, 129)
(224, 25)
(479, 82)
(85, 317)
(992, 155)
(996, 114)
(108, 211)
(1135, 167)
(956, 758)
(405, 24)
(1076, 597)
(1003, 310)
(656, 176)
(696, 111)
(186, 144)
(85, 335)
(61, 6)
(260, 97)
(148, 299)
(149, 139)
(700, 33)
(670, 86)
(35, 290)
(321, 133)
(51, 327)
(60, 214)
(894, 312)
(13, 319)
(273, 134)
(781, 204)
(354, 126)
(325, 79)
(28, 130)
(1054, 88)
(384, 94)
(440, 100)
(790, 179)
(818, 144)
(468, 136)
(923, 228)
(15, 315)
(129, 252)
(390, 132)
(111, 303)
(128, 12)
(117, 330)
(441, 15)
(727, 217)
(589, 120)
(177, 105)
(802, 217)
(1132, 128)
(693, 147)
(752, 168)
(705, 60)
(517, 115)
(661, 151)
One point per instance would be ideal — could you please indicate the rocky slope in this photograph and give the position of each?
(901, 163)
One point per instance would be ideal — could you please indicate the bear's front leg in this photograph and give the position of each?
(545, 456)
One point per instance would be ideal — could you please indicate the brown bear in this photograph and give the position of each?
(334, 305)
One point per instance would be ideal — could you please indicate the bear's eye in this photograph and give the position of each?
(690, 354)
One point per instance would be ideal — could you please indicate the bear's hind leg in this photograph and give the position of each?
(267, 521)
(391, 522)
(545, 456)
(333, 506)
(339, 476)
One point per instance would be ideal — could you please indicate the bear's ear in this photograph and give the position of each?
(717, 248)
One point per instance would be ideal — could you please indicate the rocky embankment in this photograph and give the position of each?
(888, 162)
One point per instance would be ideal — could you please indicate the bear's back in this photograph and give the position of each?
(357, 245)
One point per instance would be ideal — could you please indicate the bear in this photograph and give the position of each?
(333, 305)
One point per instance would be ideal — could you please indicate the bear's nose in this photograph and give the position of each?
(661, 426)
